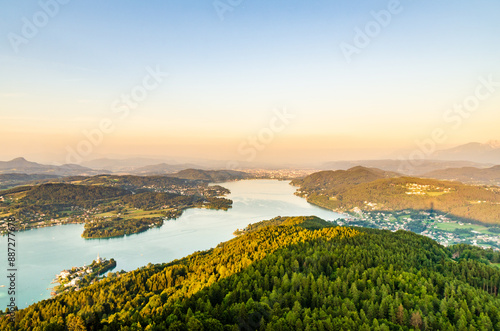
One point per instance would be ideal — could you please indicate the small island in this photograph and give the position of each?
(147, 211)
(77, 277)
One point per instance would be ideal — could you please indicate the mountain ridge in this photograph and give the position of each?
(472, 175)
(396, 165)
(211, 175)
(488, 152)
(21, 165)
(338, 181)
(345, 191)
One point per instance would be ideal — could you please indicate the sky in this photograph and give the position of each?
(249, 81)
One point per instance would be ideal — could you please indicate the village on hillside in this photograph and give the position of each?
(440, 227)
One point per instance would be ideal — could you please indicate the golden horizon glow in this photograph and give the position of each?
(174, 89)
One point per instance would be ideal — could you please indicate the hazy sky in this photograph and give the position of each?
(250, 80)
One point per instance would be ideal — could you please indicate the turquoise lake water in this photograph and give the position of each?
(42, 253)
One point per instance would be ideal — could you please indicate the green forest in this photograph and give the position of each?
(130, 182)
(373, 189)
(213, 176)
(9, 180)
(90, 274)
(118, 227)
(109, 205)
(298, 273)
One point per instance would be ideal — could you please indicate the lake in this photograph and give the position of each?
(43, 253)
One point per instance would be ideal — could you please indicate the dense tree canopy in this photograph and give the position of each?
(109, 205)
(289, 274)
(373, 189)
(70, 194)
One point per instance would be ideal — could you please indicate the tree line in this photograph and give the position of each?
(292, 273)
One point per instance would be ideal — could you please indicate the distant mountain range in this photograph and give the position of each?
(474, 154)
(471, 175)
(138, 166)
(467, 157)
(19, 171)
(488, 152)
(21, 166)
(122, 165)
(423, 167)
(11, 180)
(163, 168)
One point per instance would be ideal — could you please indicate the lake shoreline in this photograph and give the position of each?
(50, 249)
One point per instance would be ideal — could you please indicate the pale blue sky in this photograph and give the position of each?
(227, 76)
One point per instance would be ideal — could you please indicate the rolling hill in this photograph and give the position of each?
(347, 192)
(11, 180)
(130, 182)
(22, 166)
(162, 168)
(109, 205)
(488, 152)
(296, 273)
(333, 182)
(424, 166)
(211, 175)
(119, 165)
(471, 175)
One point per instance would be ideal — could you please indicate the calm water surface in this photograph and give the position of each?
(42, 253)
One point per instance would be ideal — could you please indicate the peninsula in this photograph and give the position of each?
(78, 277)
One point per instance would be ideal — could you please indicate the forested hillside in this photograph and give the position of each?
(130, 182)
(487, 176)
(64, 194)
(211, 175)
(334, 182)
(15, 179)
(290, 274)
(109, 205)
(348, 191)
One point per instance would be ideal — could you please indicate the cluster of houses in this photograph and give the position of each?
(71, 278)
(401, 220)
(417, 189)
